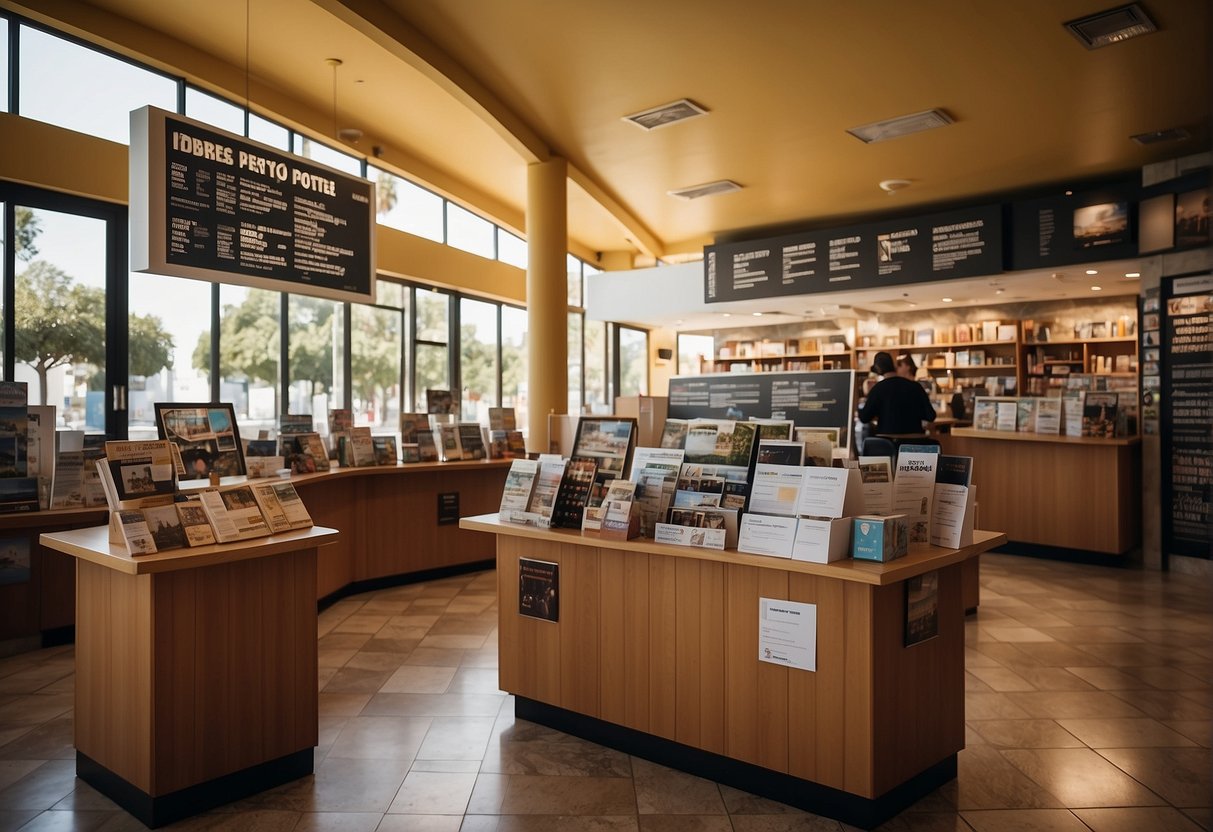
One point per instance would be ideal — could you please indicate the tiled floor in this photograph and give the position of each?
(1088, 703)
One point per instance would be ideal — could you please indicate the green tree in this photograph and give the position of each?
(385, 193)
(375, 358)
(248, 339)
(150, 346)
(56, 321)
(311, 342)
(28, 227)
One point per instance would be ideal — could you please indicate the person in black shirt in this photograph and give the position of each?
(898, 404)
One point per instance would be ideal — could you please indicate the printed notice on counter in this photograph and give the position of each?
(210, 205)
(787, 633)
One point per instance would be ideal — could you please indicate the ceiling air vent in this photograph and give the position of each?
(1111, 26)
(666, 114)
(900, 126)
(723, 186)
(1175, 134)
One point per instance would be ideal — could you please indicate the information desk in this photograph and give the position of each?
(195, 669)
(656, 653)
(1067, 491)
(388, 516)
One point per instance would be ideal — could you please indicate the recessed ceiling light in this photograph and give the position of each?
(999, 291)
(1111, 26)
(892, 128)
(1092, 271)
(726, 314)
(947, 300)
(1096, 288)
(720, 186)
(756, 314)
(1132, 274)
(1069, 193)
(666, 114)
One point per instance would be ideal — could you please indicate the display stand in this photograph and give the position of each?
(195, 669)
(655, 651)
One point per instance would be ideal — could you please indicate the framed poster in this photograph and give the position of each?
(539, 589)
(922, 608)
(206, 435)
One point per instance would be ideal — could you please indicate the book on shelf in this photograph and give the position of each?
(233, 513)
(985, 414)
(1005, 416)
(384, 448)
(471, 440)
(281, 506)
(138, 474)
(198, 531)
(1025, 415)
(67, 487)
(1048, 416)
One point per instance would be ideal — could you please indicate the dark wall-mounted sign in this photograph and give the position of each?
(210, 205)
(1187, 416)
(539, 589)
(954, 244)
(448, 507)
(1084, 227)
(823, 399)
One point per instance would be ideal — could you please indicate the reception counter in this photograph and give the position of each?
(195, 669)
(655, 651)
(388, 516)
(1070, 492)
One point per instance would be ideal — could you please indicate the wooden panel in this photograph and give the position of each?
(249, 628)
(662, 647)
(829, 751)
(636, 642)
(802, 687)
(56, 582)
(612, 689)
(742, 729)
(712, 657)
(688, 677)
(579, 629)
(857, 767)
(970, 583)
(113, 671)
(536, 656)
(772, 685)
(509, 649)
(918, 705)
(1073, 495)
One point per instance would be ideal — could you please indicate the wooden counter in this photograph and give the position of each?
(195, 669)
(656, 653)
(1071, 492)
(388, 517)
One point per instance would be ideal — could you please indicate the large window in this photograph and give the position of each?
(169, 318)
(309, 148)
(478, 359)
(574, 347)
(513, 361)
(596, 366)
(377, 350)
(207, 108)
(72, 86)
(573, 271)
(4, 104)
(633, 361)
(249, 349)
(433, 370)
(316, 350)
(512, 249)
(468, 232)
(267, 132)
(59, 313)
(407, 207)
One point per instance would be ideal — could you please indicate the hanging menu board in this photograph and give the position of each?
(1187, 416)
(209, 205)
(824, 399)
(955, 244)
(1084, 227)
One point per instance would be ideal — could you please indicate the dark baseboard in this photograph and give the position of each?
(165, 809)
(59, 636)
(1082, 556)
(372, 584)
(863, 812)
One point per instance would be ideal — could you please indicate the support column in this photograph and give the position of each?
(546, 297)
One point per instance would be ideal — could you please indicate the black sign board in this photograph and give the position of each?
(448, 507)
(1084, 227)
(539, 589)
(1187, 416)
(954, 244)
(210, 205)
(823, 399)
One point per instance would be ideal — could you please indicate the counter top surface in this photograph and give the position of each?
(1013, 436)
(367, 470)
(921, 559)
(92, 544)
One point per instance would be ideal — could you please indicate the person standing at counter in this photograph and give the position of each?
(898, 404)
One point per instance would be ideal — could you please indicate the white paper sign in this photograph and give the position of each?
(766, 534)
(787, 633)
(776, 488)
(826, 492)
(913, 489)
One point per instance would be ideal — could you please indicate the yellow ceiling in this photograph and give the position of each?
(464, 93)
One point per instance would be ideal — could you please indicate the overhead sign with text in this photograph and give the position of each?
(210, 205)
(954, 244)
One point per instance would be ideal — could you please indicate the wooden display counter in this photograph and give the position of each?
(195, 669)
(656, 652)
(1065, 491)
(388, 516)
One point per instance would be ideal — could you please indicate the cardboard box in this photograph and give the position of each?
(880, 539)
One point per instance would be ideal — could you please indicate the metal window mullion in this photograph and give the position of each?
(284, 353)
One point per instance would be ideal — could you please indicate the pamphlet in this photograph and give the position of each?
(233, 513)
(914, 487)
(830, 493)
(764, 534)
(877, 475)
(776, 488)
(952, 511)
(1048, 416)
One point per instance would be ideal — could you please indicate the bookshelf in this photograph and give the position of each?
(1047, 363)
(789, 354)
(956, 365)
